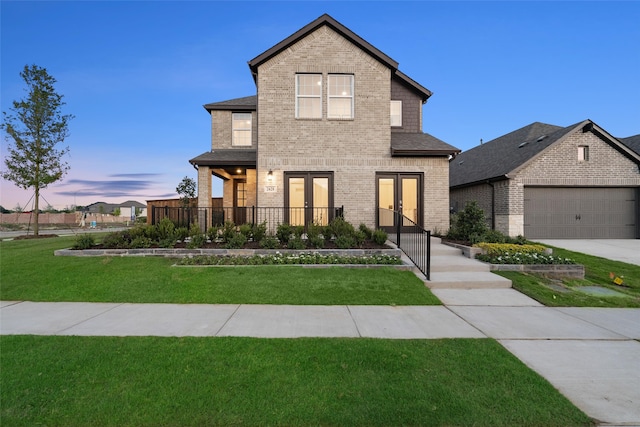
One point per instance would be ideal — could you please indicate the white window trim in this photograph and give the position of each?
(583, 153)
(235, 129)
(394, 102)
(351, 97)
(298, 96)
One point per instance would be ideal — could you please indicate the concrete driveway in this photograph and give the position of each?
(625, 250)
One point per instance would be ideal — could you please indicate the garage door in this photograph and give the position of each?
(580, 213)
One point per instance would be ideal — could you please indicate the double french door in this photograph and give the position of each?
(308, 197)
(399, 192)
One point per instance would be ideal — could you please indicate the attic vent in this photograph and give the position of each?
(461, 162)
(541, 138)
(523, 144)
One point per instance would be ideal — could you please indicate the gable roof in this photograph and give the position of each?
(496, 159)
(419, 145)
(632, 142)
(349, 35)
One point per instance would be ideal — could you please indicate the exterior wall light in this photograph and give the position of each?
(270, 176)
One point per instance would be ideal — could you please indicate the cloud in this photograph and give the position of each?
(132, 185)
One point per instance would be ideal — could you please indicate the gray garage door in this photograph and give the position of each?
(580, 213)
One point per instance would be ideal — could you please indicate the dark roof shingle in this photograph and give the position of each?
(226, 157)
(419, 144)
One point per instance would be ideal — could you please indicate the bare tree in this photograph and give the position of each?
(34, 129)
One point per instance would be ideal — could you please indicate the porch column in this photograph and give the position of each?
(204, 197)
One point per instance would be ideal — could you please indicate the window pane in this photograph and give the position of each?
(321, 201)
(340, 97)
(241, 125)
(386, 201)
(309, 84)
(310, 108)
(296, 201)
(396, 113)
(410, 200)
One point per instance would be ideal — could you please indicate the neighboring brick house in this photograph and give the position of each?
(334, 124)
(545, 181)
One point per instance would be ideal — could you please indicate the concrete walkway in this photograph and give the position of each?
(592, 355)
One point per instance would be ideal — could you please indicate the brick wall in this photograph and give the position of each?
(411, 108)
(354, 150)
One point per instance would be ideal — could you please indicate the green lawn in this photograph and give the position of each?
(73, 381)
(30, 272)
(566, 293)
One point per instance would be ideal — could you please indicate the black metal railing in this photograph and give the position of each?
(272, 217)
(411, 238)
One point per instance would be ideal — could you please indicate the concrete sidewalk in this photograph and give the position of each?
(592, 355)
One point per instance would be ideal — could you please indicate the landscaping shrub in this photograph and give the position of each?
(296, 242)
(339, 227)
(509, 248)
(237, 241)
(316, 241)
(269, 242)
(140, 242)
(345, 241)
(182, 233)
(84, 241)
(379, 236)
(366, 230)
(116, 240)
(283, 233)
(245, 230)
(259, 231)
(228, 231)
(166, 229)
(212, 233)
(469, 224)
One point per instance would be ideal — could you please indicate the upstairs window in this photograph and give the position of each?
(309, 96)
(396, 113)
(340, 96)
(241, 125)
(583, 153)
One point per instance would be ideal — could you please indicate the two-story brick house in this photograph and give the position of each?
(334, 124)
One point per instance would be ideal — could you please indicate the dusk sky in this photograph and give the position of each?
(136, 74)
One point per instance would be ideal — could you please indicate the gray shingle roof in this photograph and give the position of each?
(419, 144)
(502, 155)
(248, 103)
(632, 142)
(227, 157)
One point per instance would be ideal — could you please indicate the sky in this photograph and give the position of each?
(135, 74)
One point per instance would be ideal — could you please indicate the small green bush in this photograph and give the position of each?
(339, 227)
(296, 242)
(212, 233)
(182, 233)
(237, 241)
(115, 240)
(316, 241)
(283, 233)
(84, 241)
(345, 242)
(269, 242)
(166, 228)
(495, 249)
(379, 236)
(469, 224)
(140, 242)
(197, 241)
(366, 230)
(245, 230)
(259, 231)
(228, 231)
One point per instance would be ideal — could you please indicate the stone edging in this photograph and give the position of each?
(552, 270)
(181, 253)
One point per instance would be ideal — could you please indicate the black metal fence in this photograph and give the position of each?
(209, 217)
(412, 239)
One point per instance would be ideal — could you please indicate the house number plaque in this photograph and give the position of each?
(270, 188)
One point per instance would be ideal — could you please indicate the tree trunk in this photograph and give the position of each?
(36, 212)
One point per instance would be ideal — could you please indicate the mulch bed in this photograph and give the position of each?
(31, 236)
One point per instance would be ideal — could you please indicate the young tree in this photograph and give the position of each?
(34, 129)
(187, 190)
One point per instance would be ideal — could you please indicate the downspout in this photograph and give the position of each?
(493, 204)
